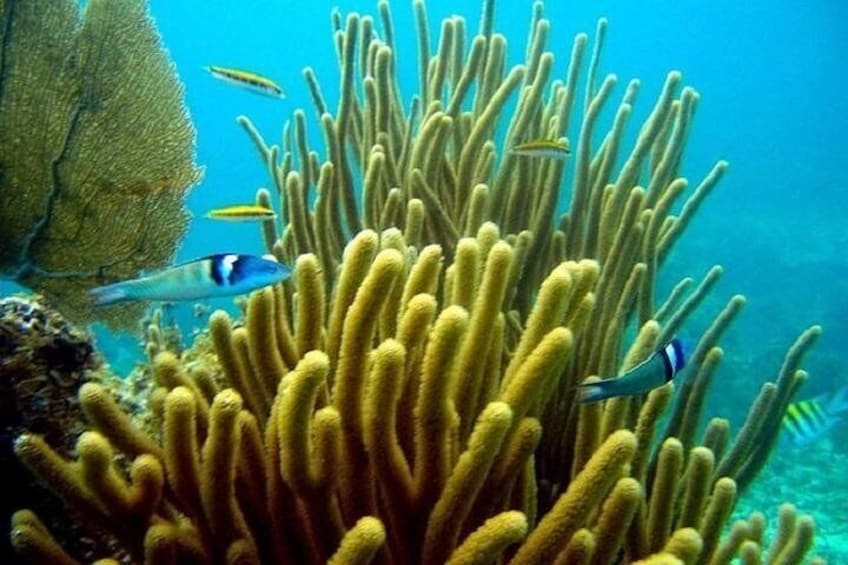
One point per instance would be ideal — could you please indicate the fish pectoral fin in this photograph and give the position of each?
(110, 294)
(838, 405)
(589, 392)
(595, 391)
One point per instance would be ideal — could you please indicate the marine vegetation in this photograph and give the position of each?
(408, 396)
(96, 150)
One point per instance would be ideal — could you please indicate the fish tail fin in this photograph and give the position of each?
(839, 403)
(110, 294)
(595, 391)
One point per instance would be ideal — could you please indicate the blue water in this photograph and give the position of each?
(772, 84)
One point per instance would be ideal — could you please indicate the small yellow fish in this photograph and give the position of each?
(543, 148)
(242, 213)
(247, 80)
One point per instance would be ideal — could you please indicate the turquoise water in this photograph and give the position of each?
(772, 103)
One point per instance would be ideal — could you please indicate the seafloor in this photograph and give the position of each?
(813, 479)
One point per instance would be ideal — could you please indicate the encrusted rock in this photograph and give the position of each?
(44, 359)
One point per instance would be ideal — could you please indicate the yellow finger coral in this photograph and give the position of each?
(296, 493)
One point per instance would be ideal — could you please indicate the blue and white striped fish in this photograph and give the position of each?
(654, 371)
(807, 421)
(225, 274)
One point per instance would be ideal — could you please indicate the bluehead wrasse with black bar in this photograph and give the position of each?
(247, 80)
(655, 371)
(225, 274)
(807, 421)
(552, 149)
(242, 213)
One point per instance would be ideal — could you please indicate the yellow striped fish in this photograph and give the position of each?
(242, 213)
(809, 420)
(247, 80)
(551, 149)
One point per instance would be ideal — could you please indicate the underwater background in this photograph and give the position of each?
(772, 103)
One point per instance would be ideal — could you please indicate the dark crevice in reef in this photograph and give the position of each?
(41, 224)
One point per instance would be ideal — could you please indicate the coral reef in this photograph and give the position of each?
(96, 149)
(408, 396)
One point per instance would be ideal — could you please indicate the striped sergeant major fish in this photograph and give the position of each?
(225, 274)
(249, 81)
(654, 371)
(807, 421)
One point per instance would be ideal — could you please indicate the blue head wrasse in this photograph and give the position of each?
(654, 371)
(225, 274)
(247, 80)
(242, 213)
(552, 149)
(806, 421)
